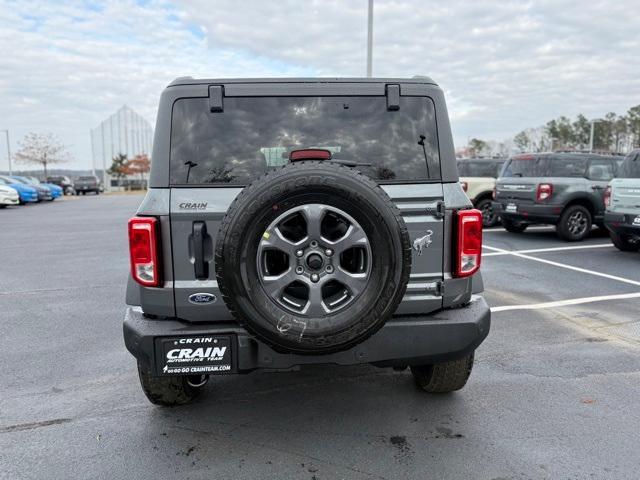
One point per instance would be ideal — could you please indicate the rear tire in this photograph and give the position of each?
(575, 223)
(623, 243)
(489, 217)
(443, 377)
(168, 391)
(513, 227)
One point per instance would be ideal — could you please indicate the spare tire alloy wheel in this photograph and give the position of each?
(313, 258)
(317, 274)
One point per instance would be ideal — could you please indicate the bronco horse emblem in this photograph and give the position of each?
(422, 242)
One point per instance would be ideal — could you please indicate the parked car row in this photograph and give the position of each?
(27, 190)
(80, 186)
(572, 191)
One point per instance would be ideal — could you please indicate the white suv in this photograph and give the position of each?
(478, 180)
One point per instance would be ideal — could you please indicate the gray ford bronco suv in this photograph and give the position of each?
(303, 221)
(563, 189)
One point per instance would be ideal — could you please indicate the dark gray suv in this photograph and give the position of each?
(303, 221)
(563, 189)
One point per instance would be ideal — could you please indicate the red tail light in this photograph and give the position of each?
(607, 196)
(544, 191)
(469, 243)
(143, 249)
(464, 185)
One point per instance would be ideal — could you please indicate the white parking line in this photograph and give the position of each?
(562, 265)
(550, 249)
(563, 303)
(502, 230)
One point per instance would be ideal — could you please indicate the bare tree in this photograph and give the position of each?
(42, 149)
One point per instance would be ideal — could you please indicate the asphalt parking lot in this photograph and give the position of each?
(554, 393)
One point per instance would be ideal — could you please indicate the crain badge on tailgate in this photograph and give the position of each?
(422, 242)
(202, 298)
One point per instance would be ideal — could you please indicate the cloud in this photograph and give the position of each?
(68, 67)
(504, 65)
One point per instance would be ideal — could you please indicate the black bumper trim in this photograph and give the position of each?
(621, 223)
(411, 340)
(530, 213)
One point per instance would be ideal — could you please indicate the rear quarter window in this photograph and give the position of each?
(546, 166)
(256, 134)
(470, 168)
(631, 166)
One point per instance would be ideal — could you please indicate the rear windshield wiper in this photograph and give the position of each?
(349, 163)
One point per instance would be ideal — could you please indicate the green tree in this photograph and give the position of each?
(620, 131)
(118, 167)
(522, 141)
(552, 131)
(633, 122)
(477, 147)
(581, 132)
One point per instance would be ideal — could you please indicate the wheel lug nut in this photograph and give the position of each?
(314, 277)
(329, 268)
(328, 252)
(314, 244)
(299, 253)
(299, 270)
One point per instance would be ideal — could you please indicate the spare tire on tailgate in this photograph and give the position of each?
(313, 258)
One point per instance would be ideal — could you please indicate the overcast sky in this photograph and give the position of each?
(504, 65)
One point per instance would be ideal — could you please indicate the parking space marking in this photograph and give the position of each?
(564, 303)
(563, 265)
(502, 230)
(551, 249)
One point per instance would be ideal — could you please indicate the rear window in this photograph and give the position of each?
(546, 166)
(479, 168)
(631, 166)
(256, 134)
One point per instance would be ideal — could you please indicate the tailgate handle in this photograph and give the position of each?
(200, 265)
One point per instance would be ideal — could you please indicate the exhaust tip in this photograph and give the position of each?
(197, 381)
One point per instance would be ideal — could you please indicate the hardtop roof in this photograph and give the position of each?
(561, 155)
(206, 81)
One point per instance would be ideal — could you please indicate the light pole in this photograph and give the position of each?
(593, 123)
(6, 132)
(370, 39)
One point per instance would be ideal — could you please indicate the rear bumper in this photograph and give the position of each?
(531, 213)
(622, 223)
(411, 340)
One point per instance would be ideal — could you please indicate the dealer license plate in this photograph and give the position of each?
(201, 355)
(511, 207)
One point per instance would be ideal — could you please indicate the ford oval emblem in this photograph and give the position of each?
(202, 298)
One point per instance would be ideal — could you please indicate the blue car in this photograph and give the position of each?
(44, 193)
(26, 193)
(56, 191)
